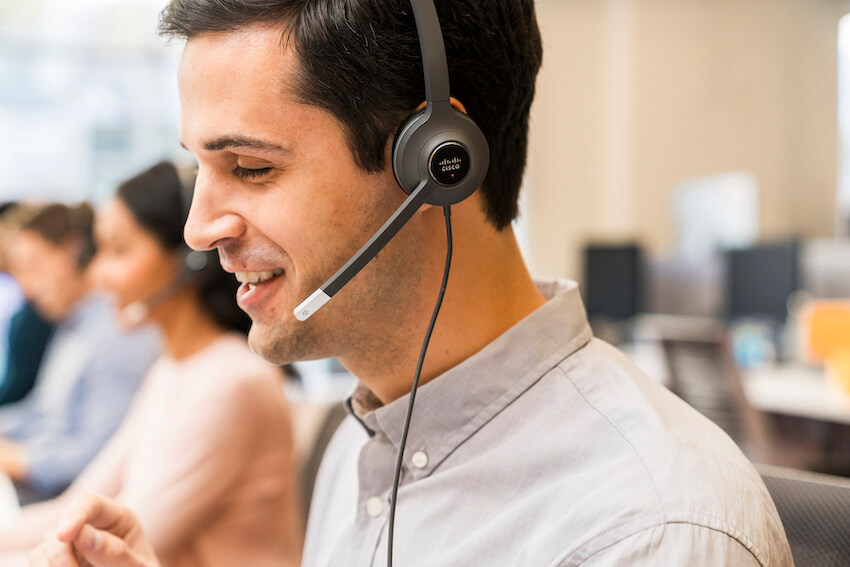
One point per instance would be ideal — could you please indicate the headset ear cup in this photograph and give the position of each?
(422, 145)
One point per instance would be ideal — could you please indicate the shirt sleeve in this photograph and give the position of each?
(200, 466)
(17, 418)
(673, 545)
(60, 449)
(104, 475)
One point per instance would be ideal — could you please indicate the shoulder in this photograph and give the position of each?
(227, 372)
(637, 457)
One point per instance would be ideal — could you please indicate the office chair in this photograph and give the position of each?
(703, 373)
(815, 510)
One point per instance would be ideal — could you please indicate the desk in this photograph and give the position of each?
(797, 391)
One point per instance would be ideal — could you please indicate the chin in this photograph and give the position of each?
(264, 345)
(283, 344)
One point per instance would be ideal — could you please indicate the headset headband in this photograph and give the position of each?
(433, 49)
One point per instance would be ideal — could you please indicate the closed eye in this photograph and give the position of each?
(246, 173)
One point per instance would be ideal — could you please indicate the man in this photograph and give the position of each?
(25, 333)
(531, 442)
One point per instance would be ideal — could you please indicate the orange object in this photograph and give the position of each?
(838, 367)
(826, 328)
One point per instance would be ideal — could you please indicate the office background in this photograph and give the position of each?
(635, 99)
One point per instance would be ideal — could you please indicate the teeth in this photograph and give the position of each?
(256, 277)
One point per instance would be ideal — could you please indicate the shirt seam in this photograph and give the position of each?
(726, 530)
(751, 547)
(622, 435)
(584, 338)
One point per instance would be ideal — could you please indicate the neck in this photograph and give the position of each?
(489, 291)
(186, 327)
(81, 289)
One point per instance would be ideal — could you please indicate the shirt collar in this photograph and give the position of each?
(455, 405)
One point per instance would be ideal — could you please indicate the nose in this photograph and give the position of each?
(211, 221)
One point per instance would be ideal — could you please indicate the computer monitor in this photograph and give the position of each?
(613, 286)
(760, 280)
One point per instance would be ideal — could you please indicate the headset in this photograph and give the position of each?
(440, 157)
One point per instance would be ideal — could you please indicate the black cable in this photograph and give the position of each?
(447, 211)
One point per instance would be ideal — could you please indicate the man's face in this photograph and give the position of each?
(279, 195)
(48, 274)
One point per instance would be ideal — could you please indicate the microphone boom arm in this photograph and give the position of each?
(369, 250)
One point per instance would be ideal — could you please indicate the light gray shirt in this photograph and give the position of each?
(547, 448)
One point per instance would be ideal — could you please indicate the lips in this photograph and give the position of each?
(254, 278)
(256, 286)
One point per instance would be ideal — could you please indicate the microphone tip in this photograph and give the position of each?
(310, 305)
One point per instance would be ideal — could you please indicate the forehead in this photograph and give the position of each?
(29, 245)
(241, 78)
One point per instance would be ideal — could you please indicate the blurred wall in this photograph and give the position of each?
(636, 96)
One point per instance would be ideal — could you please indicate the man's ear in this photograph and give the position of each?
(456, 104)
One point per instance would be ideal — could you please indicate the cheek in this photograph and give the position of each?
(49, 282)
(131, 279)
(116, 278)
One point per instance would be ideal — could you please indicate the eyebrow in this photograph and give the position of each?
(236, 142)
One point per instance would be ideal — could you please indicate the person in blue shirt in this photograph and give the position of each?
(23, 331)
(91, 369)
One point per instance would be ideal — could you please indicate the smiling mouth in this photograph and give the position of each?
(252, 279)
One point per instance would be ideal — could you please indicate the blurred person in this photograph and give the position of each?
(204, 458)
(11, 297)
(26, 333)
(90, 369)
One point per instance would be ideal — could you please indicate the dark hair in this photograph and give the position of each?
(155, 197)
(7, 206)
(360, 61)
(58, 223)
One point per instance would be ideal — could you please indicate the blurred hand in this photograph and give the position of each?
(13, 460)
(98, 532)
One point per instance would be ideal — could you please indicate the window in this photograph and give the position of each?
(88, 96)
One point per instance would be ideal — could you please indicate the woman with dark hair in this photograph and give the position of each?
(204, 458)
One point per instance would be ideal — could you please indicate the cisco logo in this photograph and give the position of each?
(453, 164)
(449, 164)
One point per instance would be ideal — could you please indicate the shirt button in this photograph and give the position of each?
(374, 506)
(419, 459)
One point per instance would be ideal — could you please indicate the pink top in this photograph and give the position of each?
(205, 461)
